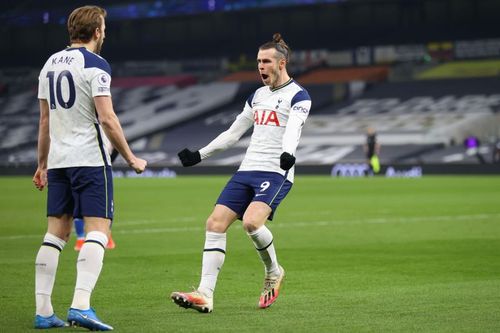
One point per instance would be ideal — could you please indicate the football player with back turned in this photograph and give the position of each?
(73, 163)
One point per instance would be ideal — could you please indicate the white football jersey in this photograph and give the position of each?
(69, 81)
(277, 116)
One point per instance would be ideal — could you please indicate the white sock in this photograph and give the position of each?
(46, 263)
(88, 268)
(263, 240)
(214, 254)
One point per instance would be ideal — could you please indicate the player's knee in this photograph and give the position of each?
(250, 225)
(62, 235)
(59, 227)
(215, 225)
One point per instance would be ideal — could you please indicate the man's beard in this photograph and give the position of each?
(99, 46)
(275, 74)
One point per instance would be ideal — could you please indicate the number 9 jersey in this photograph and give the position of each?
(69, 81)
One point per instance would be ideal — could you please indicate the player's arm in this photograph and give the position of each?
(229, 137)
(113, 130)
(113, 153)
(40, 177)
(223, 141)
(298, 115)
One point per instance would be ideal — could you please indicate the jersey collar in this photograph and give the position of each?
(281, 86)
(69, 48)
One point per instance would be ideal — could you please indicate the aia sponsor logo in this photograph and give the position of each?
(266, 117)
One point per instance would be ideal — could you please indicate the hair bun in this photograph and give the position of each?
(279, 44)
(277, 37)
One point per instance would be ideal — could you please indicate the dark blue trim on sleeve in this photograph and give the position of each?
(250, 99)
(92, 60)
(300, 96)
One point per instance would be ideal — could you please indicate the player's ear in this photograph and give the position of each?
(282, 63)
(97, 33)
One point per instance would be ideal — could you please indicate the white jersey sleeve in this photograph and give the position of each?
(100, 82)
(229, 137)
(300, 106)
(42, 87)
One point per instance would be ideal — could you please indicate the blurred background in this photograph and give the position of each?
(424, 74)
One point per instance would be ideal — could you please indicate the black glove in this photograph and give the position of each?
(188, 157)
(286, 161)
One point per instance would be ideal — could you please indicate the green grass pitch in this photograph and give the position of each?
(361, 255)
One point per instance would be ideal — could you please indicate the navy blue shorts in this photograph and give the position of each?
(247, 186)
(80, 191)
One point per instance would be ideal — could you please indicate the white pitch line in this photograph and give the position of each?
(293, 224)
(158, 230)
(145, 222)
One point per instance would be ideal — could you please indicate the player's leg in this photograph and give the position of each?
(89, 266)
(230, 205)
(254, 224)
(59, 211)
(214, 253)
(111, 243)
(214, 250)
(369, 166)
(46, 264)
(94, 203)
(80, 233)
(262, 238)
(270, 190)
(90, 260)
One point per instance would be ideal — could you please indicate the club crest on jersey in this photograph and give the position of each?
(278, 105)
(266, 117)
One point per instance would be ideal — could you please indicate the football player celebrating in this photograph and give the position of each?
(277, 111)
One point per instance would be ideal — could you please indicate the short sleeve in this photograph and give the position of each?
(100, 83)
(42, 84)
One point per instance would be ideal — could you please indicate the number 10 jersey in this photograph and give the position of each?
(69, 81)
